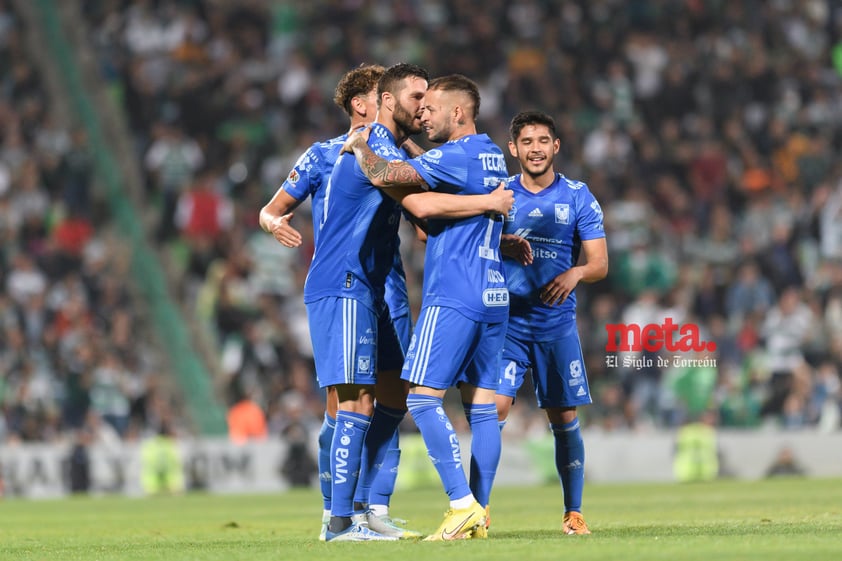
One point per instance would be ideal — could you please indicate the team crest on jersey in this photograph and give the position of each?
(364, 364)
(562, 214)
(293, 177)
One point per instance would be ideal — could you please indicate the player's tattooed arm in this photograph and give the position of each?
(381, 172)
(384, 173)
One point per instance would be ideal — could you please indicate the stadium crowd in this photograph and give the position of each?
(707, 128)
(71, 361)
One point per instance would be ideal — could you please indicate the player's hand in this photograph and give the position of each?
(285, 233)
(359, 135)
(502, 199)
(517, 248)
(412, 148)
(557, 290)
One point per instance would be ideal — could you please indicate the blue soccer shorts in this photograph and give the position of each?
(351, 341)
(558, 370)
(448, 348)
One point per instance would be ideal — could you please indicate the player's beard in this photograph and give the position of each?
(406, 121)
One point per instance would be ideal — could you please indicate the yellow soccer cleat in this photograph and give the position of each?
(460, 524)
(574, 524)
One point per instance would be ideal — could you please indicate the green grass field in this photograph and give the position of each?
(785, 519)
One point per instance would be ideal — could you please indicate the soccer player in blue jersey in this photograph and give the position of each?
(460, 330)
(356, 94)
(354, 340)
(554, 220)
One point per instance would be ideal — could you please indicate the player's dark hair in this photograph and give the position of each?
(358, 81)
(525, 118)
(458, 83)
(391, 79)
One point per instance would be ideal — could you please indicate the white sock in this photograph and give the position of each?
(464, 502)
(379, 510)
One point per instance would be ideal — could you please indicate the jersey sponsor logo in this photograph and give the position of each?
(366, 340)
(341, 462)
(495, 297)
(535, 213)
(388, 152)
(495, 276)
(562, 213)
(293, 177)
(493, 162)
(522, 232)
(433, 155)
(541, 253)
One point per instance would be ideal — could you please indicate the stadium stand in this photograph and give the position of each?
(76, 353)
(707, 129)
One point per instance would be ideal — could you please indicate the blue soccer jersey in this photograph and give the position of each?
(310, 174)
(555, 221)
(309, 177)
(463, 268)
(359, 231)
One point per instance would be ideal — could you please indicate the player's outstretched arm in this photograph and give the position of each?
(275, 216)
(429, 204)
(594, 269)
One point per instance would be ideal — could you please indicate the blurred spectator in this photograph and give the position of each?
(785, 464)
(246, 418)
(161, 464)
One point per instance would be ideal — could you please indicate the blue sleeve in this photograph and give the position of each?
(445, 166)
(306, 175)
(589, 216)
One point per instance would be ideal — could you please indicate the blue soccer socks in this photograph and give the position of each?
(570, 462)
(346, 455)
(485, 448)
(441, 441)
(325, 441)
(381, 434)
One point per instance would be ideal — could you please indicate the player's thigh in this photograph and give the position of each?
(344, 336)
(558, 372)
(441, 347)
(484, 367)
(514, 363)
